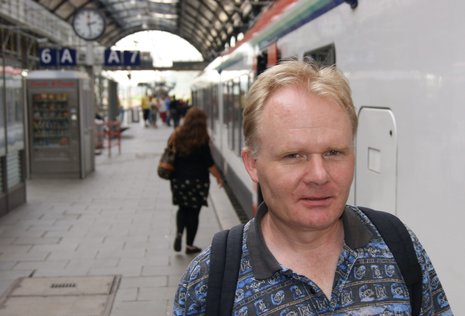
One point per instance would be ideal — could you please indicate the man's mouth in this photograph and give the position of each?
(316, 198)
(316, 201)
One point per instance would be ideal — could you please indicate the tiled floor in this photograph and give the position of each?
(118, 220)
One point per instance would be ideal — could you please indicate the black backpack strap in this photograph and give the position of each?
(397, 238)
(225, 260)
(216, 271)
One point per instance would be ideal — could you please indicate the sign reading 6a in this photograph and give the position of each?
(58, 57)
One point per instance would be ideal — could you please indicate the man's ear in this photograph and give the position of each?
(250, 163)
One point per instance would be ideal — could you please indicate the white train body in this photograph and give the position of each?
(405, 60)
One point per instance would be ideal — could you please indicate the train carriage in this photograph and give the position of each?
(405, 61)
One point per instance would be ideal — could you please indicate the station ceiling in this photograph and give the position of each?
(207, 24)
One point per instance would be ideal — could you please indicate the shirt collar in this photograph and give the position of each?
(264, 264)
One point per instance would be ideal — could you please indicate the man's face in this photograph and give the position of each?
(305, 161)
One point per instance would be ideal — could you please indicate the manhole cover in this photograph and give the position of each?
(83, 296)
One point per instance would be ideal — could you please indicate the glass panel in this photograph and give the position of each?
(50, 120)
(244, 86)
(215, 102)
(2, 161)
(15, 108)
(209, 105)
(13, 169)
(12, 99)
(2, 110)
(228, 109)
(236, 116)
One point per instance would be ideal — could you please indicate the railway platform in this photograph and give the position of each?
(119, 221)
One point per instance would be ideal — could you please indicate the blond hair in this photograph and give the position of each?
(322, 81)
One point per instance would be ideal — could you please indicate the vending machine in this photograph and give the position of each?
(60, 124)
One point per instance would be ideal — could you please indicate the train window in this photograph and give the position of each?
(267, 58)
(245, 82)
(326, 56)
(209, 106)
(194, 97)
(262, 62)
(227, 111)
(234, 91)
(214, 114)
(236, 116)
(274, 55)
(207, 100)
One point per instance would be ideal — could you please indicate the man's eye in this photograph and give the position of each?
(294, 156)
(333, 153)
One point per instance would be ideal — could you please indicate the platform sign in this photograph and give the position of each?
(67, 57)
(113, 57)
(131, 58)
(57, 57)
(121, 58)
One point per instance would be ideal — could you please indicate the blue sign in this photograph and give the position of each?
(131, 58)
(113, 58)
(121, 58)
(58, 57)
(67, 57)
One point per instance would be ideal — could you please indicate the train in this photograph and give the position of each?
(405, 62)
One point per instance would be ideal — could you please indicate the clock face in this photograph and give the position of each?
(89, 24)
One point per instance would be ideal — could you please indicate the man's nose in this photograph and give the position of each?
(316, 171)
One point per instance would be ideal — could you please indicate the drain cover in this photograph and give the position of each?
(80, 296)
(63, 286)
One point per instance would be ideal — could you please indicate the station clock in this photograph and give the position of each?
(88, 24)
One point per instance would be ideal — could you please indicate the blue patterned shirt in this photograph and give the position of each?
(367, 280)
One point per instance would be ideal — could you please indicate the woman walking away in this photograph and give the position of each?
(191, 181)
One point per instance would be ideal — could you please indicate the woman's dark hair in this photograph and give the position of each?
(192, 133)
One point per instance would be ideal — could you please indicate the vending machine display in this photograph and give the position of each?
(60, 124)
(50, 120)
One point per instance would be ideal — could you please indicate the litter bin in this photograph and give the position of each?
(135, 115)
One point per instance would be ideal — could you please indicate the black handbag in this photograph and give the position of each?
(166, 165)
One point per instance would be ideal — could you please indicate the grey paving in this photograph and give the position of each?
(119, 220)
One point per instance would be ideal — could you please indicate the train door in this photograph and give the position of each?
(376, 168)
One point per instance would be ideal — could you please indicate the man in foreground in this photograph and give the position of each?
(306, 252)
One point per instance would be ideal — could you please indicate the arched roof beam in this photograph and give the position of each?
(207, 24)
(214, 13)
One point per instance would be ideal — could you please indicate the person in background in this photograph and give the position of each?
(307, 252)
(167, 102)
(162, 110)
(184, 107)
(175, 111)
(145, 105)
(121, 112)
(154, 110)
(191, 181)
